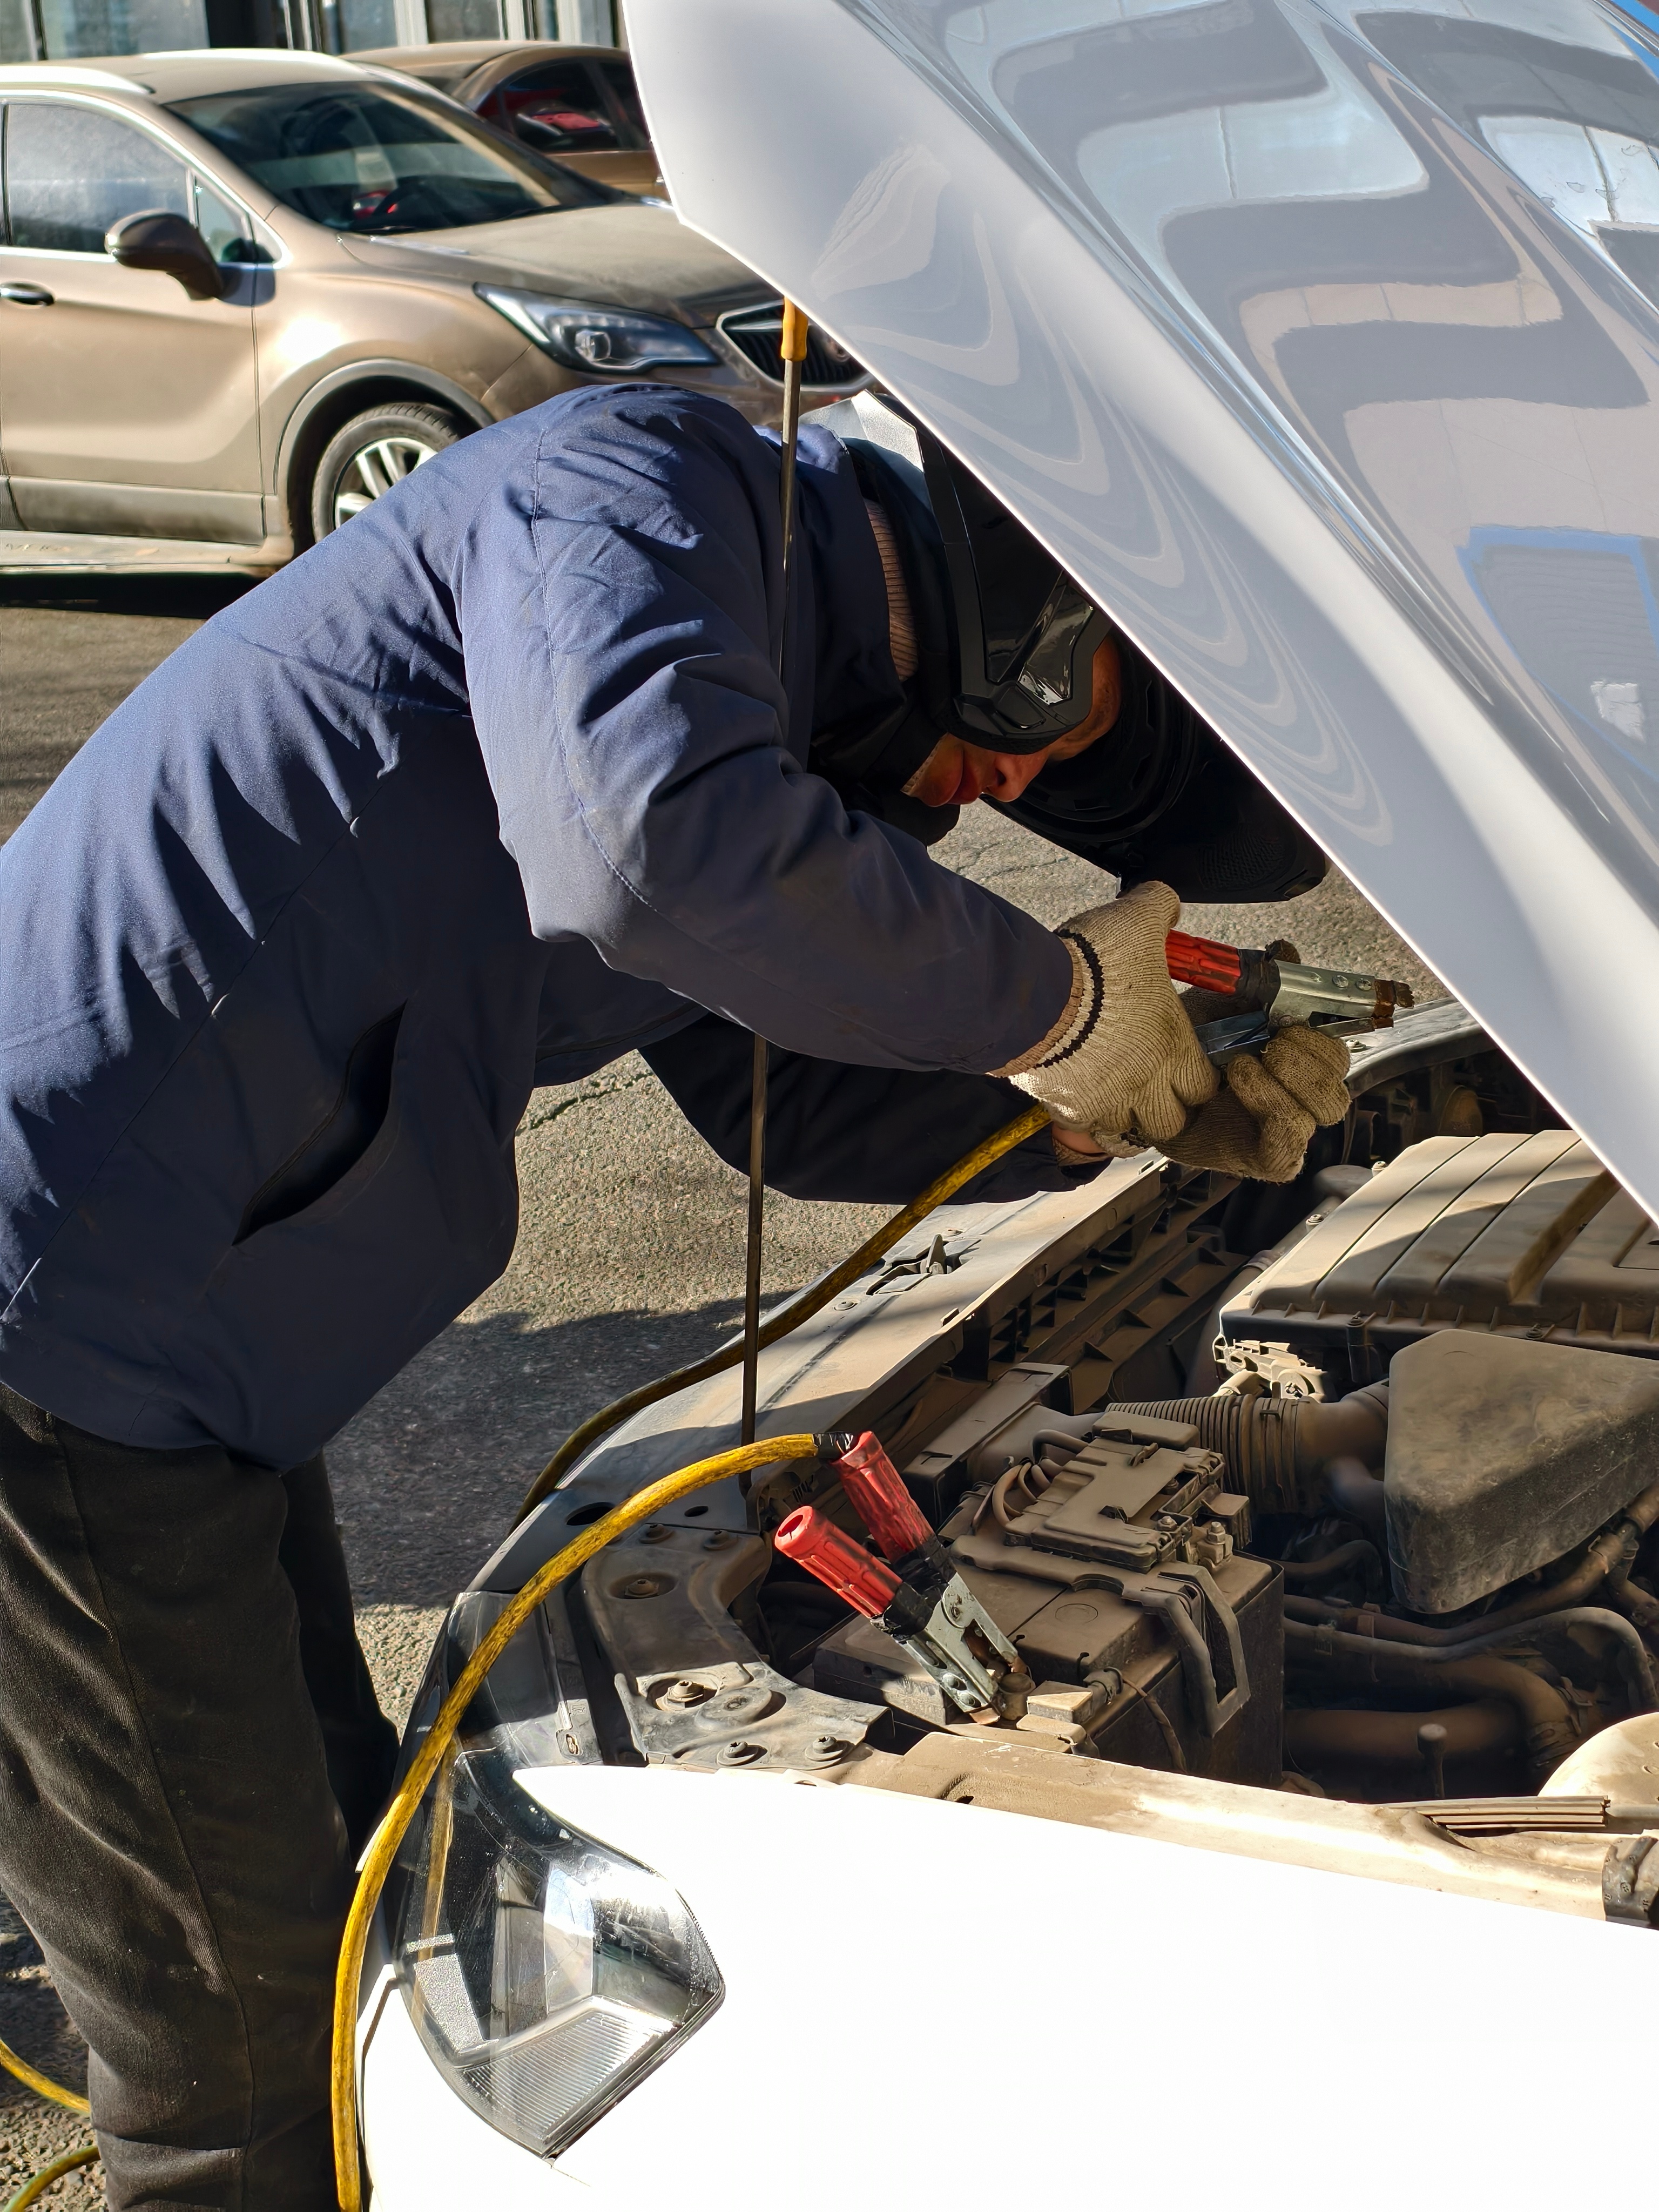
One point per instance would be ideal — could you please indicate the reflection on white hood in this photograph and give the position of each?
(1320, 343)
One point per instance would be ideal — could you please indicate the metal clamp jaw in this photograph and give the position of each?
(912, 1591)
(954, 1637)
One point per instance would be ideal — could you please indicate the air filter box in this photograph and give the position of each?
(1503, 1455)
(1519, 1236)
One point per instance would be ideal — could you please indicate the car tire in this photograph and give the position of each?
(370, 454)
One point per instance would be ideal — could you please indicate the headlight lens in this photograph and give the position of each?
(584, 337)
(545, 1974)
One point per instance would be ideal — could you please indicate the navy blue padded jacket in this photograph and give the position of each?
(489, 787)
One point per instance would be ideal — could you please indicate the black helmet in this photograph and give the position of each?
(1005, 643)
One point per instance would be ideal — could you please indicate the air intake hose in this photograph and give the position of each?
(1546, 1726)
(1276, 1448)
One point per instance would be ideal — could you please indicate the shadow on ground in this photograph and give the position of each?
(73, 647)
(177, 598)
(428, 1478)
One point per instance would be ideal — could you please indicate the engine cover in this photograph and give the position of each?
(1489, 1279)
(1523, 1236)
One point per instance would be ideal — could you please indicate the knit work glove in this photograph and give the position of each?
(1260, 1123)
(1122, 1061)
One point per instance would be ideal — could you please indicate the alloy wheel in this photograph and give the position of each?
(373, 468)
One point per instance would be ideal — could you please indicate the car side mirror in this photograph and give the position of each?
(171, 246)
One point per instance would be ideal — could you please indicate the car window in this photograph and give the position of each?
(370, 158)
(72, 172)
(620, 78)
(220, 224)
(555, 107)
(447, 20)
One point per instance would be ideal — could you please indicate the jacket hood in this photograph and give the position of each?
(1320, 343)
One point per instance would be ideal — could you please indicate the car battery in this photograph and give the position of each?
(1118, 1571)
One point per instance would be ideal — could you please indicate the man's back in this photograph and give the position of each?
(482, 791)
(236, 930)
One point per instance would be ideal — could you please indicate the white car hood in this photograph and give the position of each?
(1313, 341)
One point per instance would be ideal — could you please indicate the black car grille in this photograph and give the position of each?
(757, 333)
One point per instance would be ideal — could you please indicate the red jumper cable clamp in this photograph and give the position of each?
(917, 1596)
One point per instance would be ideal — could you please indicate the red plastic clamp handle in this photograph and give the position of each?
(881, 1499)
(840, 1564)
(1201, 961)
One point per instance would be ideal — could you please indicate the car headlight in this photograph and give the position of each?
(584, 337)
(545, 1974)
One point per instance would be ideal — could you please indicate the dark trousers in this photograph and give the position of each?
(190, 1757)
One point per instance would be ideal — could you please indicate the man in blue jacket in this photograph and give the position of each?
(493, 785)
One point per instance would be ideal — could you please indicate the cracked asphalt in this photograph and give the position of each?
(629, 1257)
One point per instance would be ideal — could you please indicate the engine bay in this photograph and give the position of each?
(1319, 1521)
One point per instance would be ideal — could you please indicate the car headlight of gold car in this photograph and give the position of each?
(545, 1974)
(582, 336)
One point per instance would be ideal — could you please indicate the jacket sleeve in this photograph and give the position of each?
(620, 619)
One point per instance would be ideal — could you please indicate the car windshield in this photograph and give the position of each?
(372, 158)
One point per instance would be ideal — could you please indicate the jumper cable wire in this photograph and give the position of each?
(645, 1504)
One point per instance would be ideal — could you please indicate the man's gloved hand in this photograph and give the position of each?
(1124, 1065)
(1260, 1123)
(1122, 1061)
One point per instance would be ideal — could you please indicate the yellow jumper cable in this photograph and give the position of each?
(644, 1505)
(33, 2191)
(55, 2093)
(799, 1310)
(42, 2084)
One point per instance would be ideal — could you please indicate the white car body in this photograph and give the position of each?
(1204, 1987)
(905, 2021)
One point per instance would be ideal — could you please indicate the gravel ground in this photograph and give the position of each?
(629, 1258)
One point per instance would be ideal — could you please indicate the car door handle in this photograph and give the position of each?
(27, 296)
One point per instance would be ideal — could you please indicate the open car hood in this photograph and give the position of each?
(1320, 343)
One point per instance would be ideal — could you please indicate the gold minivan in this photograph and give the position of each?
(242, 291)
(578, 104)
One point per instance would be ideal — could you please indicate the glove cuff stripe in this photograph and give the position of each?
(1089, 1018)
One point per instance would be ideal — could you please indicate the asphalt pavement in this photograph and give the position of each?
(629, 1258)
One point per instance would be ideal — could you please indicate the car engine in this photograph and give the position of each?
(1320, 1524)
